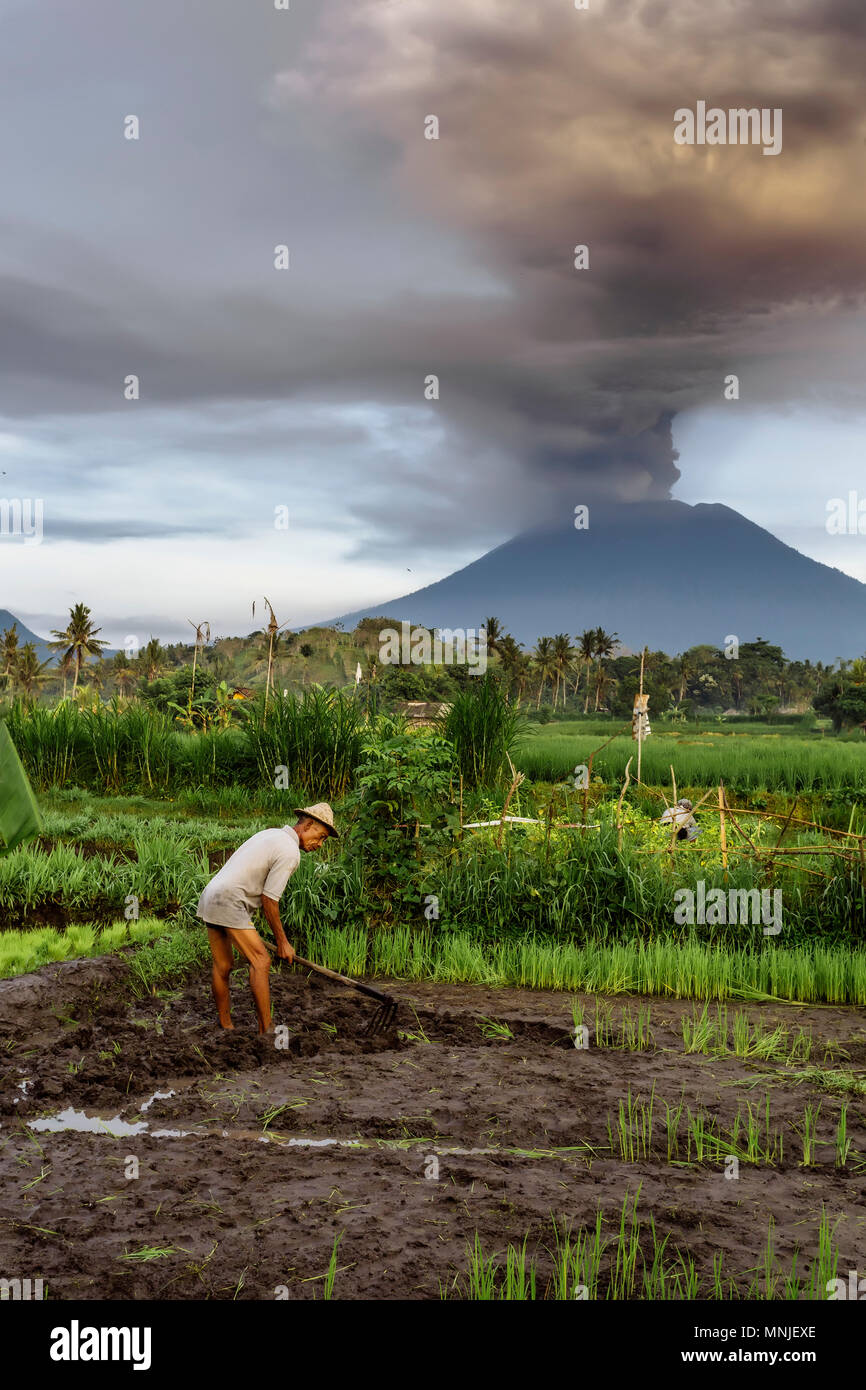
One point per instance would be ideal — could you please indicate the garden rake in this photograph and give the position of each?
(383, 1017)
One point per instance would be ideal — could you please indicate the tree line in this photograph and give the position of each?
(585, 673)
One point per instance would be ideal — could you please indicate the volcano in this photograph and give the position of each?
(661, 574)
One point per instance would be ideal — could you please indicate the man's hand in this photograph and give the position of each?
(271, 910)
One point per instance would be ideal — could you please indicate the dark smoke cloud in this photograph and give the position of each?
(556, 129)
(451, 257)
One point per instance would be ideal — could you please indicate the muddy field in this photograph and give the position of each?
(211, 1167)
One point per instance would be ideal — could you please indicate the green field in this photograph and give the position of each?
(744, 761)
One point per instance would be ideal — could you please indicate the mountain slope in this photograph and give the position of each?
(664, 574)
(25, 635)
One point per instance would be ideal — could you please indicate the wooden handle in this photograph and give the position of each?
(341, 979)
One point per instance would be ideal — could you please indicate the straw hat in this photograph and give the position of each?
(320, 812)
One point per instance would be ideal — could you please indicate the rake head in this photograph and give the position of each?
(383, 1017)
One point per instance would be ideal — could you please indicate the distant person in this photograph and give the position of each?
(254, 877)
(681, 816)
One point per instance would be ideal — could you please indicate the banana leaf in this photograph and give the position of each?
(19, 814)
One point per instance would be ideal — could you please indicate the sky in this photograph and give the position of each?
(282, 443)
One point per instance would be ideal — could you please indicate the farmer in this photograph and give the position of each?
(255, 877)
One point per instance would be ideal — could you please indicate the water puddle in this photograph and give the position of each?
(78, 1122)
(157, 1095)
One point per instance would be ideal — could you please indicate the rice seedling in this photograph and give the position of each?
(419, 1035)
(628, 1249)
(147, 1253)
(495, 1031)
(673, 1117)
(635, 1033)
(168, 957)
(330, 1277)
(740, 1037)
(760, 1142)
(271, 1114)
(842, 1142)
(633, 1133)
(824, 1268)
(704, 1143)
(807, 1132)
(635, 1261)
(837, 1082)
(22, 951)
(577, 1014)
(577, 1260)
(803, 974)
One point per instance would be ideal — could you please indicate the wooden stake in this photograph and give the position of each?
(724, 837)
(619, 806)
(640, 717)
(517, 778)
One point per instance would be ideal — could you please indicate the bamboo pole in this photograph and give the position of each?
(724, 837)
(775, 815)
(619, 806)
(516, 781)
(640, 717)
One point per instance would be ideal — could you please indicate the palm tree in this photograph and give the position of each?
(79, 640)
(542, 660)
(30, 668)
(11, 655)
(563, 655)
(151, 659)
(122, 673)
(686, 673)
(513, 661)
(605, 646)
(495, 635)
(585, 653)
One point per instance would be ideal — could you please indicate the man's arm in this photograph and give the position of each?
(271, 909)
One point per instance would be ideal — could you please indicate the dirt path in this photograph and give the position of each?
(216, 1172)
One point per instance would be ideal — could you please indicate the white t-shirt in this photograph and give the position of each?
(262, 865)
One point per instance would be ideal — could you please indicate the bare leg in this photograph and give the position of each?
(223, 960)
(255, 953)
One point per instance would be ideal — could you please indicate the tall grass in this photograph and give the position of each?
(586, 885)
(484, 730)
(316, 736)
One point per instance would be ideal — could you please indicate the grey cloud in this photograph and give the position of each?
(412, 257)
